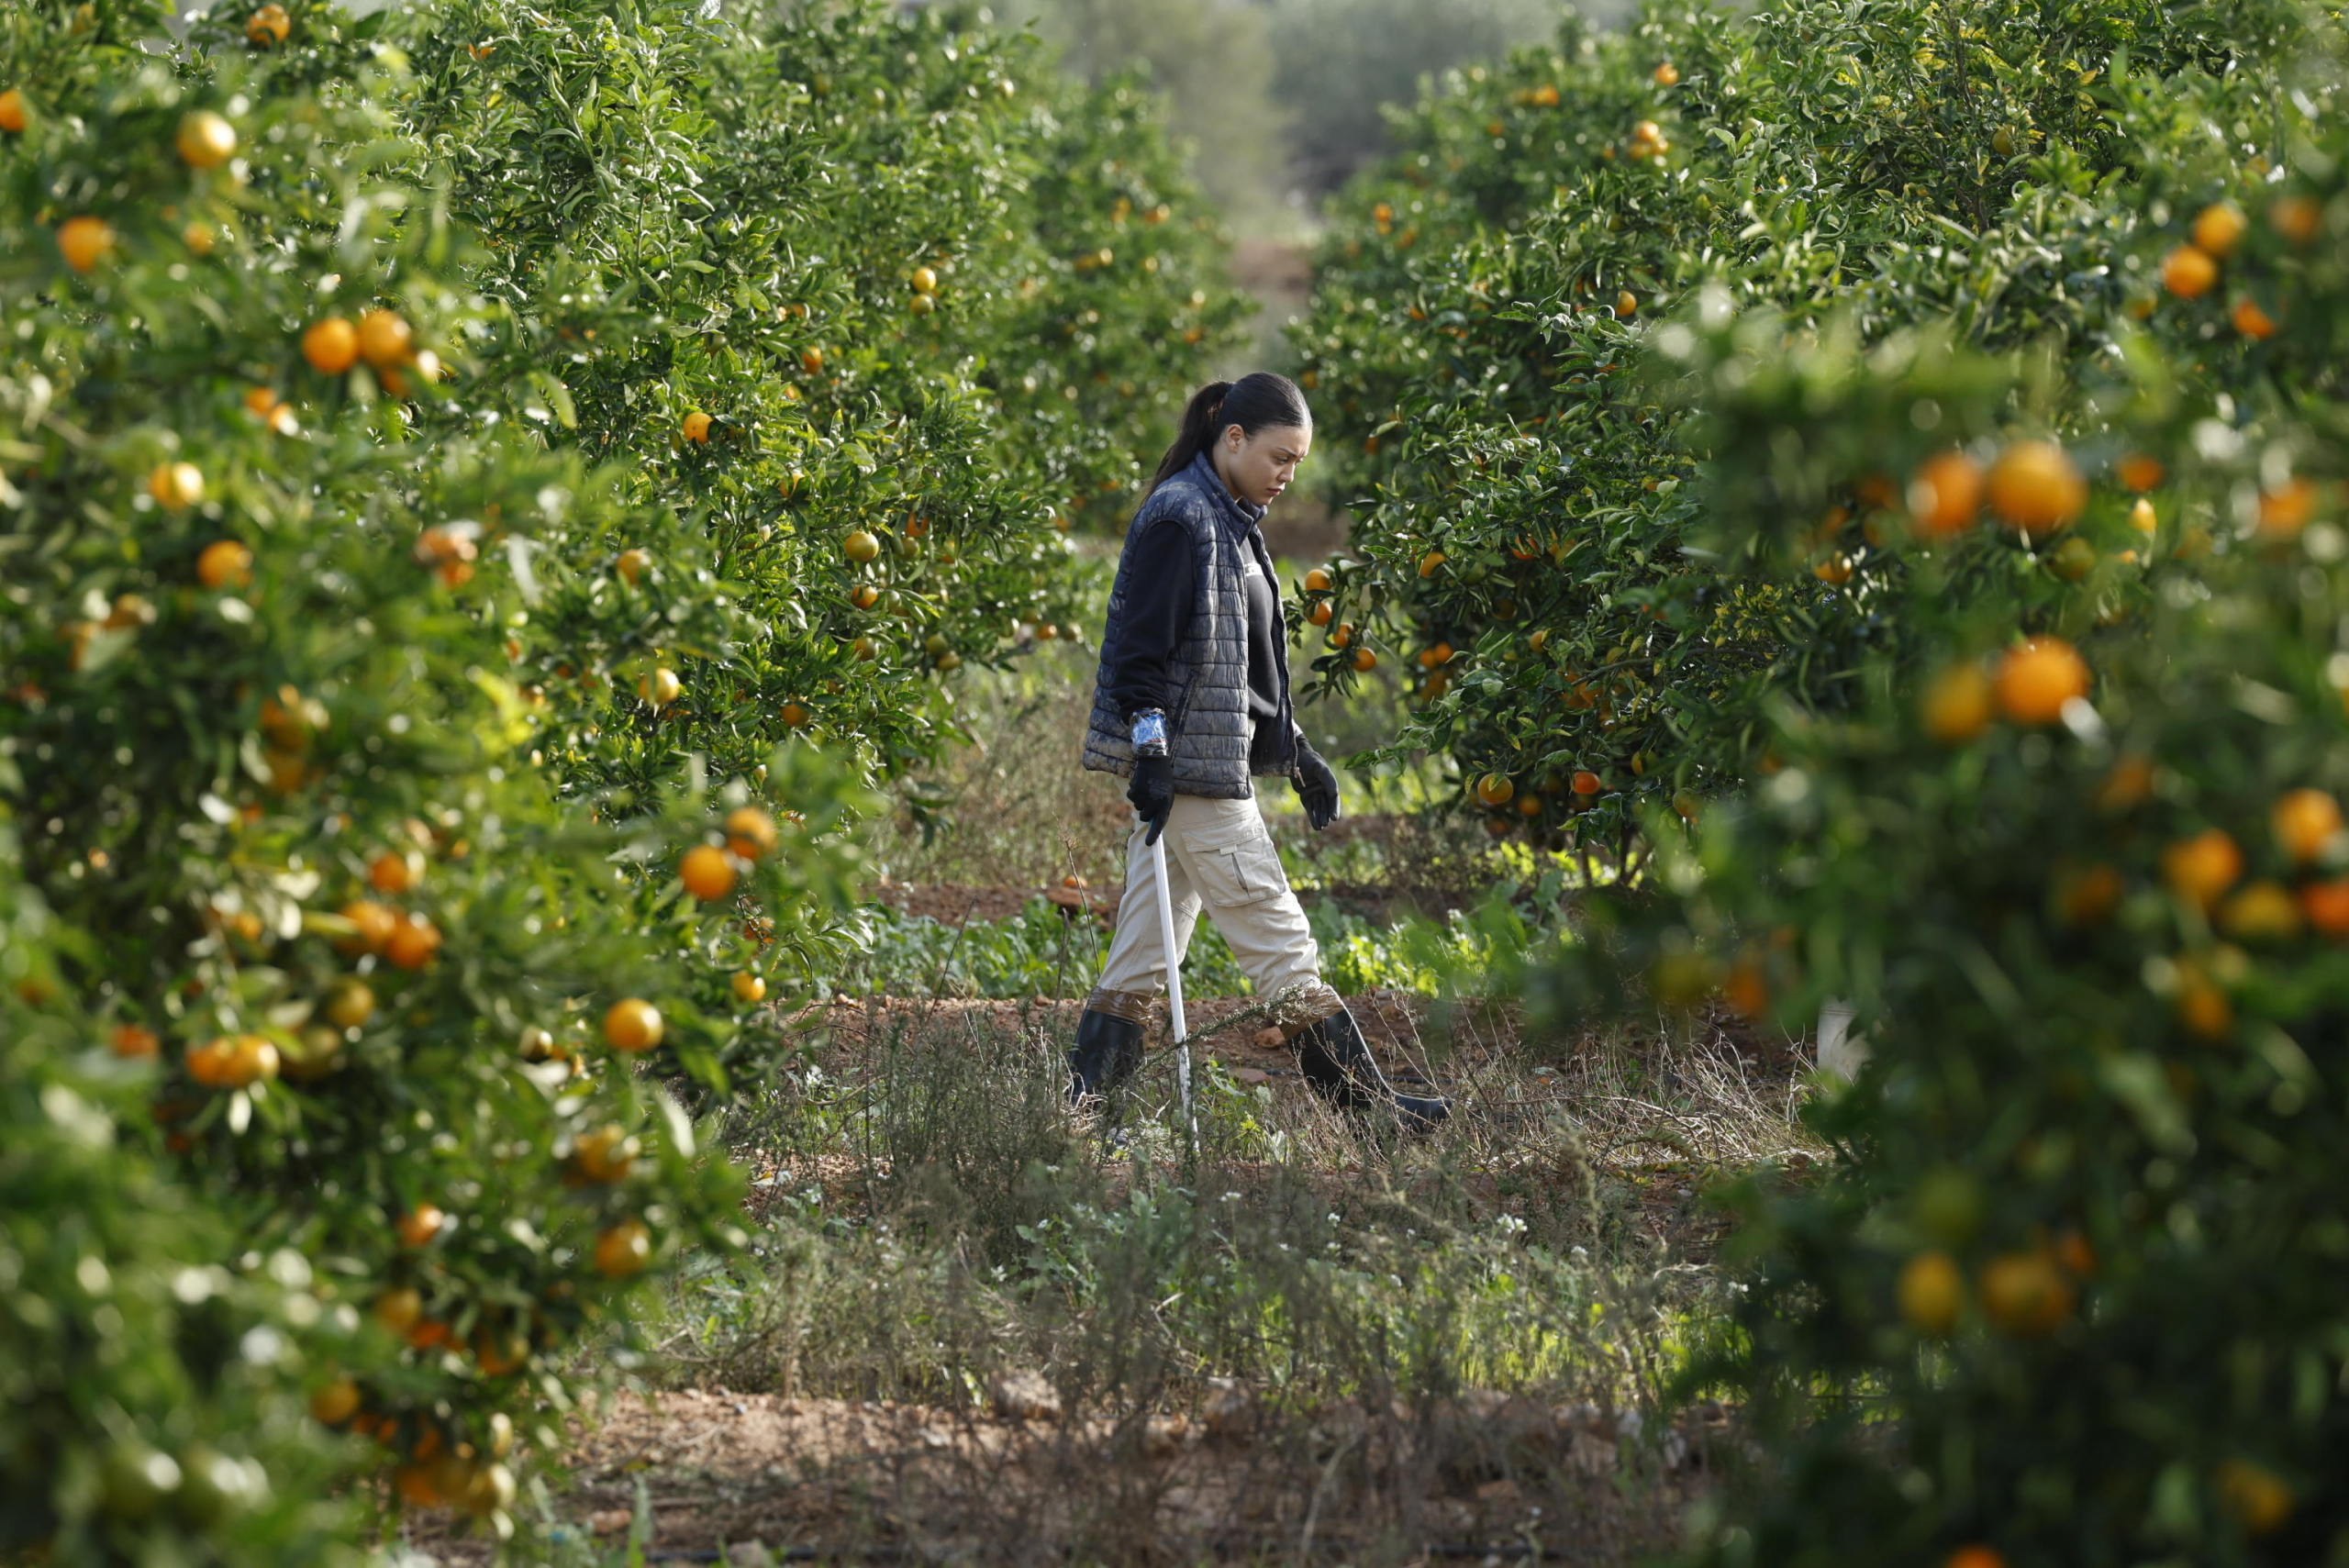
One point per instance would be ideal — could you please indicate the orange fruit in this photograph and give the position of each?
(500, 1356)
(1316, 581)
(84, 242)
(2217, 228)
(1835, 570)
(922, 303)
(399, 1308)
(698, 426)
(2296, 218)
(2252, 321)
(2201, 868)
(632, 1025)
(2326, 905)
(1430, 563)
(623, 1250)
(225, 563)
(2035, 486)
(606, 1155)
(1957, 705)
(268, 26)
(864, 595)
(413, 943)
(133, 1043)
(2306, 821)
(923, 280)
(793, 715)
(660, 688)
(1586, 782)
(1976, 1557)
(1627, 303)
(1664, 75)
(2258, 1499)
(2285, 510)
(633, 564)
(2202, 1008)
(2141, 516)
(750, 832)
(2189, 273)
(331, 345)
(175, 486)
(1494, 789)
(375, 923)
(1047, 631)
(811, 359)
(419, 1224)
(2025, 1293)
(393, 872)
(2129, 782)
(1945, 494)
(1931, 1291)
(2139, 471)
(415, 1482)
(205, 140)
(251, 1059)
(2072, 559)
(384, 339)
(708, 874)
(2262, 912)
(211, 1064)
(350, 1004)
(1432, 657)
(1365, 660)
(2084, 897)
(860, 546)
(1322, 614)
(336, 1403)
(2035, 679)
(14, 116)
(749, 987)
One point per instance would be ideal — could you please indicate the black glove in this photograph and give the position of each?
(1317, 786)
(1152, 793)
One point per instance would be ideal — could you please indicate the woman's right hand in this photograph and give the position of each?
(1153, 794)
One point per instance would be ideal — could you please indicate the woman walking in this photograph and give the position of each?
(1191, 702)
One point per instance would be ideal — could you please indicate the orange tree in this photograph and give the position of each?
(1527, 532)
(2075, 851)
(150, 1411)
(863, 310)
(385, 993)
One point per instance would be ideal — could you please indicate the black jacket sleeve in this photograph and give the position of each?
(1161, 593)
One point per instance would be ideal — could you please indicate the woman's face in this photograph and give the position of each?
(1257, 468)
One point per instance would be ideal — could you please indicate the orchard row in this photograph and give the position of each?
(489, 491)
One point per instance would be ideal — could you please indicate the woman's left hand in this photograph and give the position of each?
(1317, 786)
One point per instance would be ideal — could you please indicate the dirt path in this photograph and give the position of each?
(710, 1475)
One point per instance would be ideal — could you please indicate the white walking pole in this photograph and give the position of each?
(1174, 985)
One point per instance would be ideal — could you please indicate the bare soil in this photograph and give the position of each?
(755, 1477)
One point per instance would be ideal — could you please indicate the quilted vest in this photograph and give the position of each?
(1207, 705)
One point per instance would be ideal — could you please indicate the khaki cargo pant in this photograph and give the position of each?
(1220, 859)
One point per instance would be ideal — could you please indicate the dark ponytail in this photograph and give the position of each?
(1260, 402)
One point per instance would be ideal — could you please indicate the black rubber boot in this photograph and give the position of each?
(1337, 1062)
(1107, 1049)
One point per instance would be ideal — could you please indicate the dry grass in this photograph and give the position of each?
(1300, 1339)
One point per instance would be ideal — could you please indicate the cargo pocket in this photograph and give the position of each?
(1235, 866)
